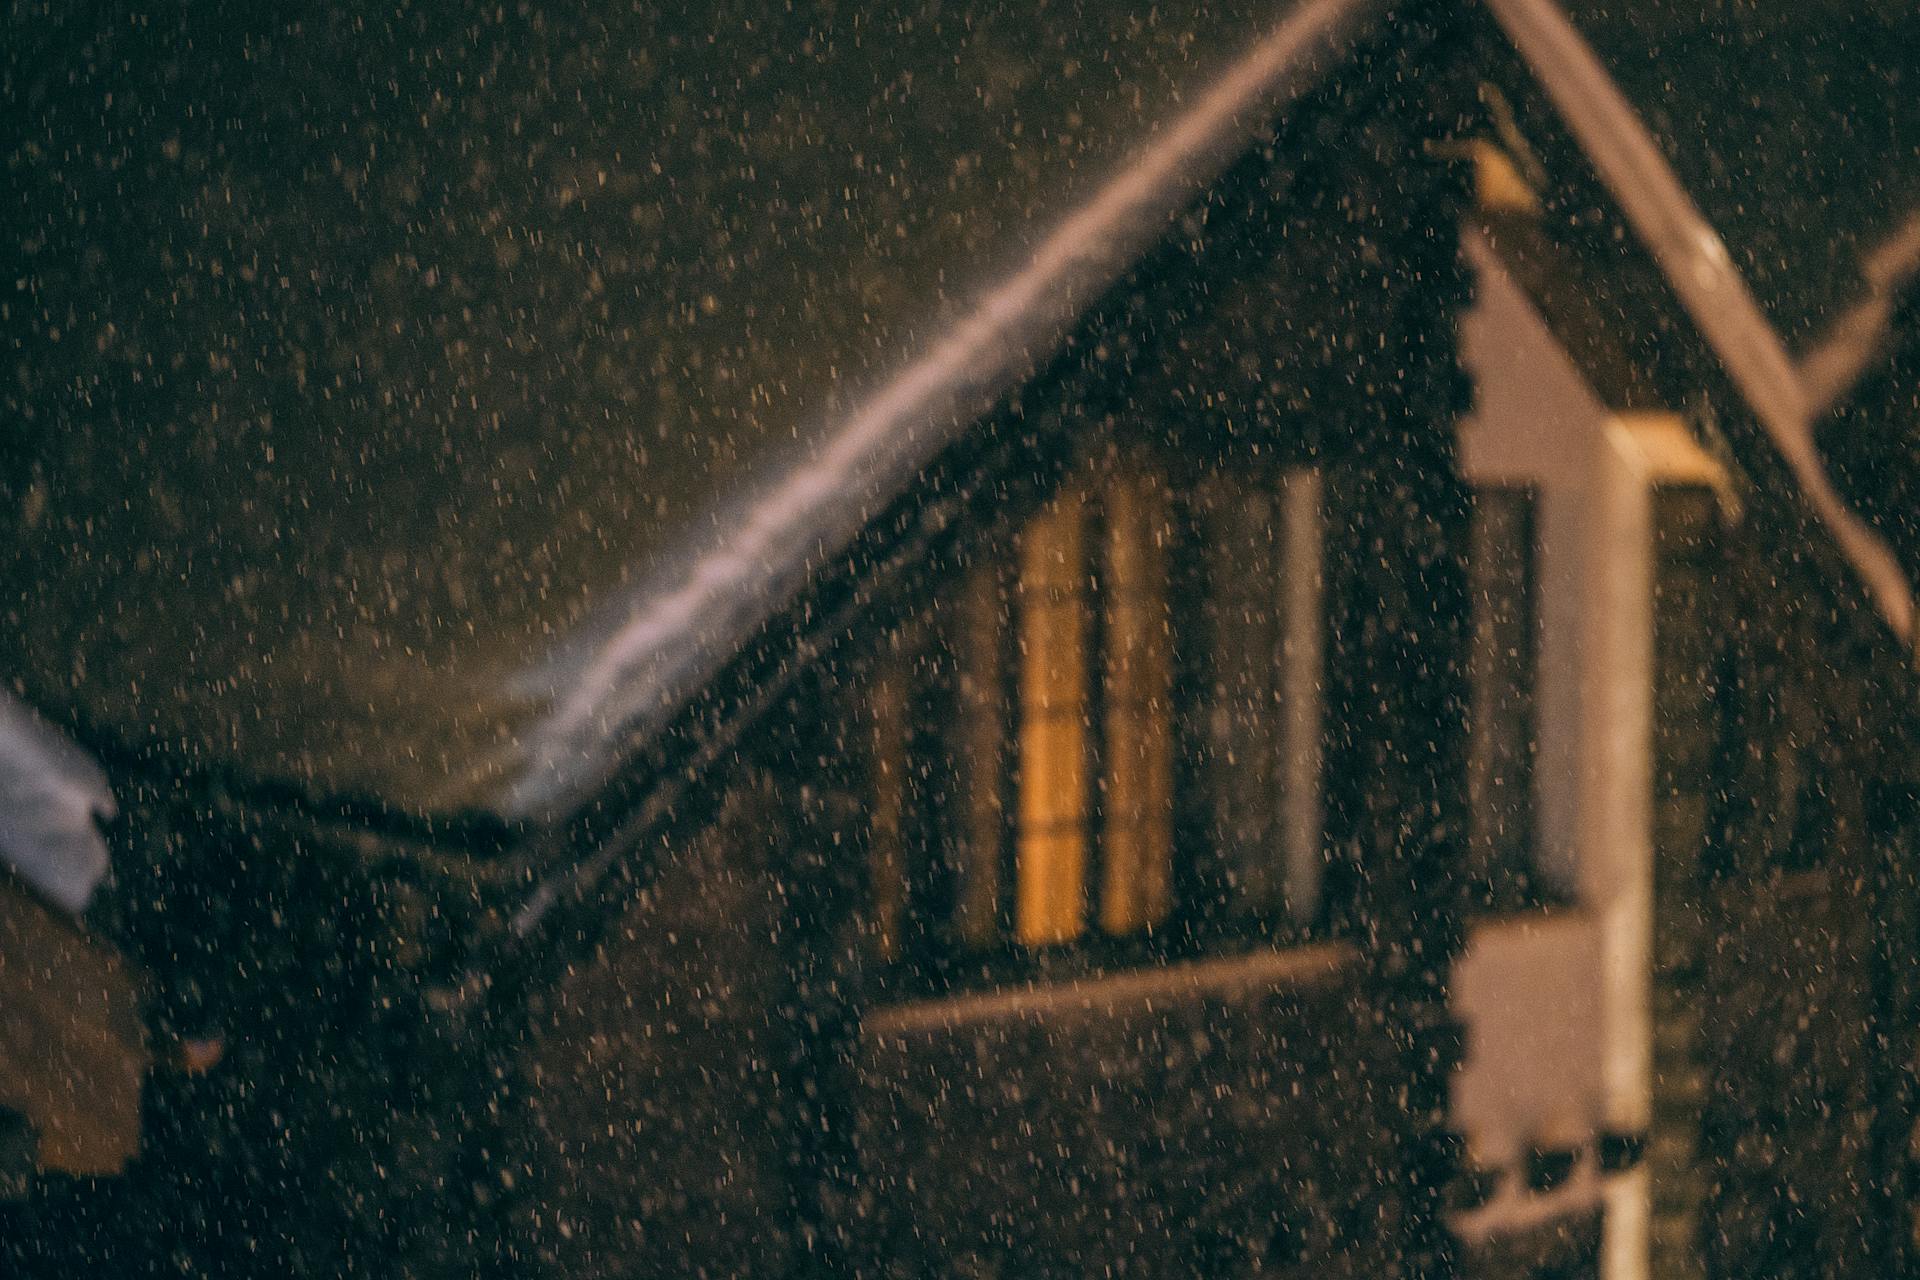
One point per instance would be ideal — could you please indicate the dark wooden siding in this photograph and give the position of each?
(1215, 1118)
(657, 1136)
(1785, 908)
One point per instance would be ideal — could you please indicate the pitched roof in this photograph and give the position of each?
(411, 407)
(426, 410)
(1792, 127)
(1742, 325)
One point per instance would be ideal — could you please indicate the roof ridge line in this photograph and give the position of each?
(634, 680)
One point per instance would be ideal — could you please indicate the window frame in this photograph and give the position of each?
(932, 955)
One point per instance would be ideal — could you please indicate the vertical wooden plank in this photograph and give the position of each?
(1687, 635)
(1137, 827)
(1051, 855)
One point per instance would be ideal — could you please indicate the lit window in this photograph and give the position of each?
(1136, 833)
(1134, 653)
(1051, 840)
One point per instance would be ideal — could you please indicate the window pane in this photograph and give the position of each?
(1137, 827)
(1264, 627)
(977, 828)
(1052, 846)
(1238, 717)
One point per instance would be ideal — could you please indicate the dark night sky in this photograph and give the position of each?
(1792, 125)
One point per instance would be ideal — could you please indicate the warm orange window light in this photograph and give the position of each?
(1136, 882)
(1051, 848)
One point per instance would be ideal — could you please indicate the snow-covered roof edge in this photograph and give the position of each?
(52, 796)
(1710, 288)
(685, 623)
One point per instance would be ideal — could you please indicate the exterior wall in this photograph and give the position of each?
(1215, 1118)
(1567, 1013)
(1243, 1113)
(1557, 1007)
(655, 1138)
(1803, 967)
(73, 1051)
(1238, 1115)
(1726, 794)
(1264, 1120)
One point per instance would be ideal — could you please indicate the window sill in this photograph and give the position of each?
(1102, 993)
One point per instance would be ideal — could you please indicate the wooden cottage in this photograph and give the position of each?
(1216, 641)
